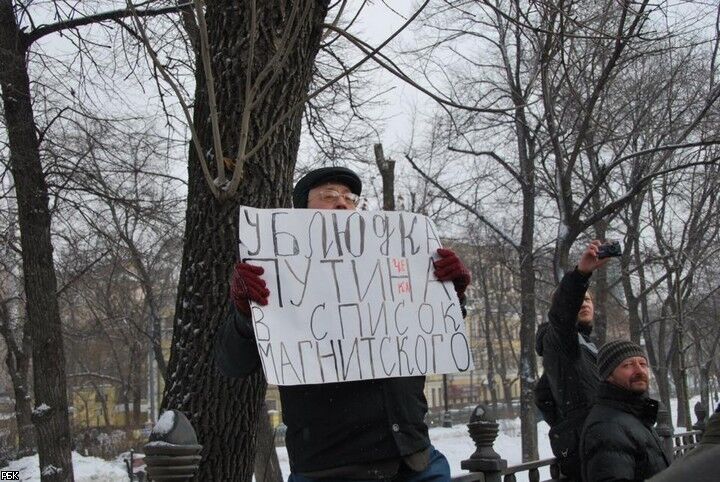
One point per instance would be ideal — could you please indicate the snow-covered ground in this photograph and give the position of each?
(454, 442)
(86, 469)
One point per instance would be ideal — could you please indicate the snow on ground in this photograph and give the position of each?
(454, 442)
(86, 469)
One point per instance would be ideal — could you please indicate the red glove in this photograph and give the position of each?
(450, 268)
(247, 285)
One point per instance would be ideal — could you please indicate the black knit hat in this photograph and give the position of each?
(612, 353)
(324, 175)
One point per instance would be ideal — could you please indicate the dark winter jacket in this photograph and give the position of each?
(569, 358)
(701, 463)
(337, 424)
(619, 442)
(566, 390)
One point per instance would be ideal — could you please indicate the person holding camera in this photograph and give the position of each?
(567, 389)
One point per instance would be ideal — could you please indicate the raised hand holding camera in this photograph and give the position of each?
(610, 249)
(596, 255)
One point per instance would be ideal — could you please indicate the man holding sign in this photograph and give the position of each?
(349, 314)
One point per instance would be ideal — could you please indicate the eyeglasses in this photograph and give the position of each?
(330, 195)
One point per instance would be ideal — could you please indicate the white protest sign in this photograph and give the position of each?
(352, 296)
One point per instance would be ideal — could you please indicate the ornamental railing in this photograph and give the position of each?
(173, 452)
(486, 465)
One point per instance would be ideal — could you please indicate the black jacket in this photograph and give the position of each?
(335, 424)
(619, 442)
(569, 357)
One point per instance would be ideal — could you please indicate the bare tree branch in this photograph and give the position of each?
(464, 205)
(44, 30)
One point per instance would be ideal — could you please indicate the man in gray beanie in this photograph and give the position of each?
(618, 441)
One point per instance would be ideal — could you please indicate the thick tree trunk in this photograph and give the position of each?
(225, 412)
(51, 415)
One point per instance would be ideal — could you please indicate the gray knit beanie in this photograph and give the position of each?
(612, 353)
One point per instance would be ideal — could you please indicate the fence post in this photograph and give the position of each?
(483, 430)
(173, 452)
(665, 430)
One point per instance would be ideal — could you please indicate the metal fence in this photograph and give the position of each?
(486, 465)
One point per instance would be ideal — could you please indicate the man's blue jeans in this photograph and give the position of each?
(438, 470)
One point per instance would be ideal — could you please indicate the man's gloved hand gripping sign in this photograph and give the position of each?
(353, 296)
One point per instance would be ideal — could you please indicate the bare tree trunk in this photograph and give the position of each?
(387, 171)
(483, 272)
(150, 299)
(19, 373)
(601, 287)
(23, 417)
(267, 465)
(632, 252)
(497, 325)
(527, 369)
(528, 363)
(683, 410)
(99, 395)
(223, 411)
(17, 361)
(658, 361)
(51, 414)
(137, 405)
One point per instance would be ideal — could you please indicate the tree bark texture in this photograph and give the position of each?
(600, 292)
(223, 411)
(17, 361)
(43, 316)
(267, 465)
(527, 369)
(387, 171)
(528, 362)
(483, 270)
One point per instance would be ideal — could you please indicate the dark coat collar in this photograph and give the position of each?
(584, 330)
(638, 405)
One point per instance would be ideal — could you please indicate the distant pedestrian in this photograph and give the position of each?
(619, 442)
